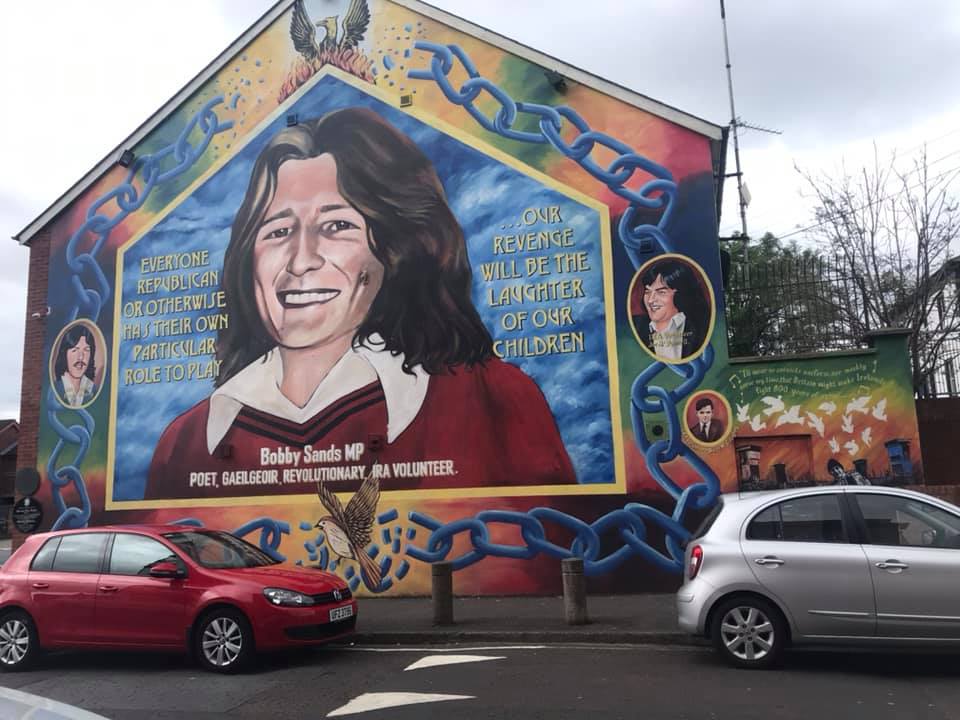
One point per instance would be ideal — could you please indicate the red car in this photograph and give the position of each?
(166, 587)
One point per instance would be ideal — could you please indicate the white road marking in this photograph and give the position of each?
(428, 648)
(15, 705)
(438, 660)
(378, 701)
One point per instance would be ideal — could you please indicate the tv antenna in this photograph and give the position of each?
(736, 123)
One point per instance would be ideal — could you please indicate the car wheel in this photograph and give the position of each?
(19, 643)
(749, 632)
(223, 641)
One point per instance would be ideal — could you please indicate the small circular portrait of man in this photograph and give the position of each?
(707, 416)
(672, 308)
(77, 364)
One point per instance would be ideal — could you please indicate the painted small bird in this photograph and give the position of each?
(304, 34)
(348, 531)
(756, 424)
(743, 413)
(834, 445)
(858, 405)
(852, 447)
(774, 405)
(847, 424)
(867, 436)
(827, 407)
(880, 409)
(790, 417)
(816, 422)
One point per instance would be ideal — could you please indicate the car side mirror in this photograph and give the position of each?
(167, 569)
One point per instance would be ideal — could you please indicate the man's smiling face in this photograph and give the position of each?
(315, 276)
(658, 299)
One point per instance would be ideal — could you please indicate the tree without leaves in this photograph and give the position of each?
(895, 229)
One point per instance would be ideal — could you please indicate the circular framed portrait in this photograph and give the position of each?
(672, 308)
(78, 364)
(707, 419)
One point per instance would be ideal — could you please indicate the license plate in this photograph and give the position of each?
(341, 612)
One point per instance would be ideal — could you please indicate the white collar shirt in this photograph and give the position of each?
(668, 343)
(258, 386)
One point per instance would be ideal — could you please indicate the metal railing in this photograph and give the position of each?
(804, 304)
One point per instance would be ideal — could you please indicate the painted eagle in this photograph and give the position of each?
(304, 34)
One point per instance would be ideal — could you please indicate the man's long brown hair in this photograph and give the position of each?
(423, 310)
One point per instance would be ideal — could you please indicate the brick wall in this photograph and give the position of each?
(950, 493)
(33, 365)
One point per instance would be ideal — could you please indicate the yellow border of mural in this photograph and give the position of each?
(614, 488)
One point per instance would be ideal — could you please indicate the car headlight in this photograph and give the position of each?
(288, 598)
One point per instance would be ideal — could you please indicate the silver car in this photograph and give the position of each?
(834, 564)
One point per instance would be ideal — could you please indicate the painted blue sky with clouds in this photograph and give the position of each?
(485, 196)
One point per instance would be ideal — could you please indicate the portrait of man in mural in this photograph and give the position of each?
(708, 419)
(350, 321)
(75, 374)
(670, 311)
(707, 428)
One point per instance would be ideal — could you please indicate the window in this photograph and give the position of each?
(136, 554)
(43, 560)
(219, 550)
(816, 518)
(79, 553)
(894, 520)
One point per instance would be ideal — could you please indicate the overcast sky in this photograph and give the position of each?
(834, 76)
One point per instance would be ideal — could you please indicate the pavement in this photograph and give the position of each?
(633, 619)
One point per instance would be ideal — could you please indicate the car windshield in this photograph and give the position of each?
(219, 550)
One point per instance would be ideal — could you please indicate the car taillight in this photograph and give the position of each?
(696, 562)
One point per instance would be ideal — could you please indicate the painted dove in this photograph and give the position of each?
(756, 425)
(858, 405)
(743, 413)
(774, 405)
(816, 423)
(834, 445)
(847, 424)
(880, 409)
(866, 436)
(852, 447)
(791, 417)
(827, 407)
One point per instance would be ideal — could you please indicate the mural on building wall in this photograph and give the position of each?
(380, 294)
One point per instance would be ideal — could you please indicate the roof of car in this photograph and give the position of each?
(761, 496)
(148, 528)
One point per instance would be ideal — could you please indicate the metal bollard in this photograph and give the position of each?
(574, 592)
(442, 592)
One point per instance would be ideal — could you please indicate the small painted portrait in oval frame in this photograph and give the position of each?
(78, 364)
(672, 308)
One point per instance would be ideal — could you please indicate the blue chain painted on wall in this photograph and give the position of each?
(91, 290)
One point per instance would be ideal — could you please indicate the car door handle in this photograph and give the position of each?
(892, 565)
(41, 586)
(108, 588)
(769, 560)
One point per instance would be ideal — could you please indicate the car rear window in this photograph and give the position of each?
(43, 560)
